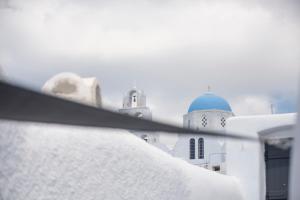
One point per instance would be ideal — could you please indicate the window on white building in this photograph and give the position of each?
(223, 122)
(204, 121)
(134, 100)
(192, 148)
(200, 148)
(216, 168)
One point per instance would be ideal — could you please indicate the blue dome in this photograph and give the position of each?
(209, 101)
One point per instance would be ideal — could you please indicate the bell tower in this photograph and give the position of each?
(134, 104)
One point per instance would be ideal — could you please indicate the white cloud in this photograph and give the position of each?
(173, 49)
(251, 105)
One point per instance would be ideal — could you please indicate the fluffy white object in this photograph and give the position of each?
(41, 161)
(71, 86)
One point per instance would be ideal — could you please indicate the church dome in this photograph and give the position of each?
(209, 101)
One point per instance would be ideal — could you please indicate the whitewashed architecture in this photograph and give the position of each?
(73, 87)
(48, 161)
(209, 112)
(134, 104)
(262, 167)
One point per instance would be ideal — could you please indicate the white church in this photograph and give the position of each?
(261, 168)
(208, 111)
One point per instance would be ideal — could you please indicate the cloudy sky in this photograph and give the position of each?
(247, 51)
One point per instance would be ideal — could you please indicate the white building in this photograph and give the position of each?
(134, 104)
(262, 167)
(208, 111)
(205, 112)
(211, 112)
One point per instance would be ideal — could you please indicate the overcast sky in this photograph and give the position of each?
(247, 51)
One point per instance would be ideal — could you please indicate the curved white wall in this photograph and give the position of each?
(43, 161)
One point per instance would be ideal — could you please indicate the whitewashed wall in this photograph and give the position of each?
(214, 149)
(44, 161)
(245, 159)
(213, 119)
